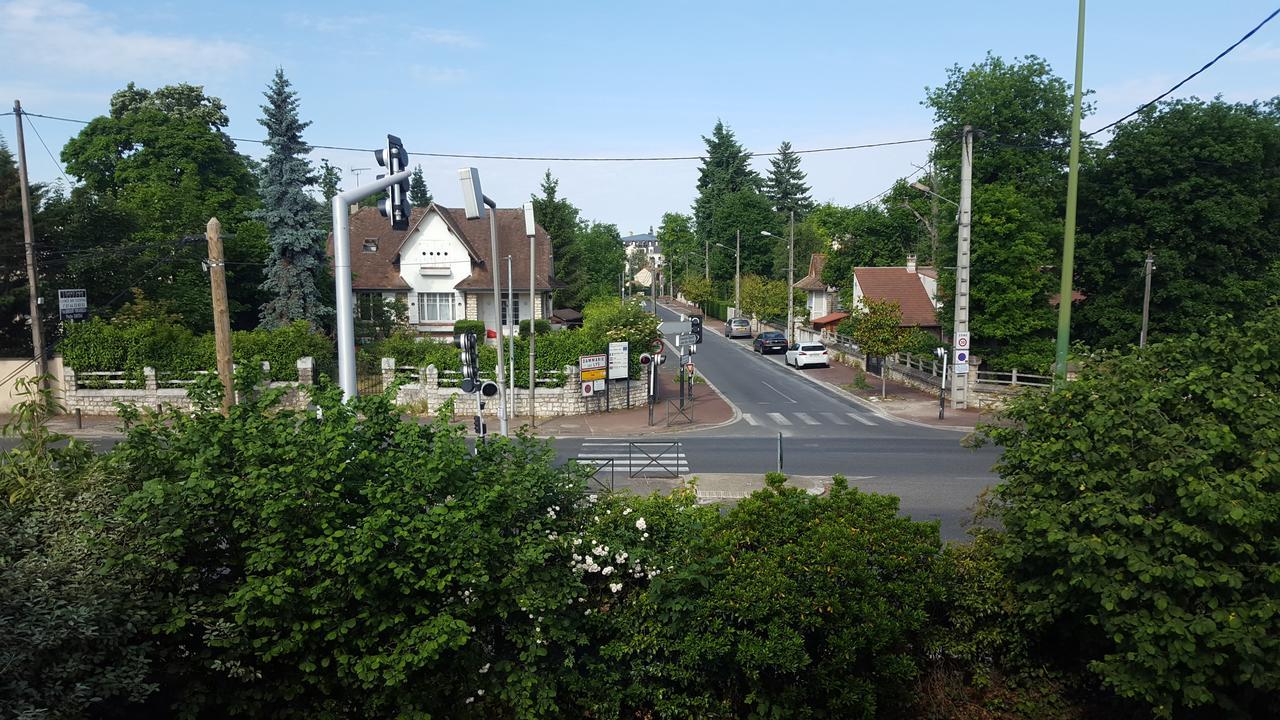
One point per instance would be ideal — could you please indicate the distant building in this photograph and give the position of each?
(914, 289)
(648, 244)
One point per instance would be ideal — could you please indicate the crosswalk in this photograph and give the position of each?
(794, 419)
(647, 458)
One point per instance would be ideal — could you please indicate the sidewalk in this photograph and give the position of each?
(901, 401)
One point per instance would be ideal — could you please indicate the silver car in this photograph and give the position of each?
(737, 327)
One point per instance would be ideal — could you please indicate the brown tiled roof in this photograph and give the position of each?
(902, 287)
(813, 281)
(830, 318)
(380, 270)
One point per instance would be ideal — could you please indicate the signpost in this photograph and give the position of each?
(961, 366)
(73, 304)
(686, 340)
(618, 360)
(593, 367)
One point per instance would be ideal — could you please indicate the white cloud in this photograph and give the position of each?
(64, 35)
(452, 38)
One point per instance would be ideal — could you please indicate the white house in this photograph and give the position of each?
(821, 299)
(914, 289)
(440, 267)
(648, 244)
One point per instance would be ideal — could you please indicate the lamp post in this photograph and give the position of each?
(941, 354)
(530, 230)
(475, 201)
(512, 325)
(791, 271)
(737, 275)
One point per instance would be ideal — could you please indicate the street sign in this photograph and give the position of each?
(599, 385)
(686, 339)
(73, 305)
(688, 369)
(673, 327)
(961, 368)
(593, 367)
(962, 357)
(657, 346)
(588, 387)
(619, 357)
(962, 341)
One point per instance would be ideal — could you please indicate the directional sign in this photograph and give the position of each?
(593, 367)
(672, 327)
(686, 339)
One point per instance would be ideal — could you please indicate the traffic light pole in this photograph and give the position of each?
(342, 276)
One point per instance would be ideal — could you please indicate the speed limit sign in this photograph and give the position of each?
(962, 341)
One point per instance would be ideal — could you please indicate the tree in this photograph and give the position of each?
(697, 289)
(297, 259)
(419, 195)
(556, 215)
(749, 212)
(593, 263)
(330, 178)
(725, 170)
(678, 242)
(764, 299)
(785, 186)
(183, 101)
(15, 307)
(1141, 507)
(877, 329)
(1196, 183)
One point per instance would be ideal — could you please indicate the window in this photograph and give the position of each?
(370, 245)
(365, 304)
(435, 307)
(516, 320)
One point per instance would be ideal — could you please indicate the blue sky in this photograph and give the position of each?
(608, 79)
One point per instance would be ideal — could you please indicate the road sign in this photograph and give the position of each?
(599, 385)
(593, 367)
(657, 346)
(686, 339)
(673, 327)
(961, 368)
(588, 387)
(962, 341)
(73, 304)
(962, 357)
(619, 358)
(688, 369)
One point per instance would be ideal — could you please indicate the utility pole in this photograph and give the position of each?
(653, 284)
(959, 394)
(221, 316)
(791, 279)
(513, 326)
(531, 229)
(1146, 299)
(737, 275)
(1069, 230)
(28, 237)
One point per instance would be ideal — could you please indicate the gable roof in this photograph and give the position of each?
(380, 270)
(902, 287)
(813, 281)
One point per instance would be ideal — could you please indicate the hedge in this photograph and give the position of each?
(542, 327)
(465, 326)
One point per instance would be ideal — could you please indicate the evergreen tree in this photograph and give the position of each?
(725, 170)
(297, 255)
(559, 218)
(785, 186)
(330, 176)
(419, 195)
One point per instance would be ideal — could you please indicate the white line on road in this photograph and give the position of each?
(834, 418)
(779, 418)
(788, 397)
(860, 419)
(808, 420)
(591, 456)
(750, 420)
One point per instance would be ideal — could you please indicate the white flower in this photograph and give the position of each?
(626, 512)
(597, 550)
(644, 536)
(615, 586)
(587, 611)
(577, 541)
(484, 669)
(591, 498)
(620, 558)
(551, 513)
(607, 571)
(640, 524)
(470, 700)
(480, 692)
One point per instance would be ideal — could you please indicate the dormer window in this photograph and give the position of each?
(371, 245)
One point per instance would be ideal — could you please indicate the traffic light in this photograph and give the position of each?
(488, 388)
(396, 204)
(466, 342)
(645, 358)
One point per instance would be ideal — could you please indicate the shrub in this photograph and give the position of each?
(542, 327)
(465, 326)
(1142, 503)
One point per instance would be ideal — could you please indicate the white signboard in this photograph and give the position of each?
(599, 385)
(73, 304)
(619, 353)
(588, 387)
(962, 341)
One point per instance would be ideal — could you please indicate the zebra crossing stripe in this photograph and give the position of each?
(834, 418)
(779, 418)
(860, 419)
(808, 420)
(750, 420)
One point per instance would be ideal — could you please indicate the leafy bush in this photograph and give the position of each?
(461, 327)
(1142, 504)
(542, 327)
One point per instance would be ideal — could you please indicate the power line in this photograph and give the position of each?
(50, 154)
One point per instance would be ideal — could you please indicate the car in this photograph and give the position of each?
(802, 355)
(771, 341)
(737, 327)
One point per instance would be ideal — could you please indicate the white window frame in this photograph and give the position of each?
(504, 312)
(438, 301)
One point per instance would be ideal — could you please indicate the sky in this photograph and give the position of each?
(604, 79)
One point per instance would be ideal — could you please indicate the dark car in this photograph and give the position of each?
(767, 342)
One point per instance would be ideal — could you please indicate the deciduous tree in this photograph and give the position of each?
(878, 331)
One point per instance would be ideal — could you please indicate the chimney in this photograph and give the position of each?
(911, 263)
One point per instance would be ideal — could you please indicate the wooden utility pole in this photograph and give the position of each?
(1149, 265)
(28, 236)
(221, 316)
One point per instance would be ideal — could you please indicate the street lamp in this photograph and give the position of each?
(791, 270)
(737, 274)
(474, 201)
(926, 189)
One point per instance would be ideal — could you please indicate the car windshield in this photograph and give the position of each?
(771, 336)
(812, 347)
(736, 323)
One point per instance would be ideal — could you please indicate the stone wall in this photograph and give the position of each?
(426, 394)
(104, 401)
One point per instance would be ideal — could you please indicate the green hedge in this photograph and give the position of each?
(718, 309)
(466, 326)
(100, 346)
(542, 327)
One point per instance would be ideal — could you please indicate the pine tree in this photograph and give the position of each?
(785, 186)
(297, 256)
(419, 195)
(330, 176)
(725, 170)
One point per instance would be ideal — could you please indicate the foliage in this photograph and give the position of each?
(182, 100)
(785, 186)
(791, 606)
(385, 317)
(725, 170)
(1194, 182)
(419, 195)
(863, 236)
(876, 327)
(1141, 508)
(592, 265)
(461, 327)
(749, 212)
(558, 217)
(696, 288)
(540, 327)
(70, 641)
(295, 224)
(921, 343)
(678, 242)
(329, 181)
(764, 299)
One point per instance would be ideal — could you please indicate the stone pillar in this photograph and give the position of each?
(430, 377)
(150, 387)
(306, 370)
(473, 307)
(571, 394)
(70, 392)
(971, 380)
(388, 372)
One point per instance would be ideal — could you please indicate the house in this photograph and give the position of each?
(647, 244)
(440, 267)
(914, 289)
(822, 299)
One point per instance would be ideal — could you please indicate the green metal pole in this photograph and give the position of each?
(1069, 234)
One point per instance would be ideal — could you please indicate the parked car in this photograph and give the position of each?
(737, 327)
(771, 341)
(802, 355)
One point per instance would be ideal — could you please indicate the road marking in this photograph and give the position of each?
(860, 419)
(750, 420)
(834, 418)
(779, 418)
(807, 419)
(777, 391)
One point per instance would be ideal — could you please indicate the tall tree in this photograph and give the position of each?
(330, 178)
(593, 263)
(559, 218)
(785, 187)
(15, 308)
(297, 258)
(1197, 184)
(748, 212)
(725, 170)
(679, 243)
(419, 195)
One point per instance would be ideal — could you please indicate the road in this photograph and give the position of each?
(821, 433)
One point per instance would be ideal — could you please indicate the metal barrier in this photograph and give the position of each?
(666, 461)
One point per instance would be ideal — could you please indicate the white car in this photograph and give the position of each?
(804, 354)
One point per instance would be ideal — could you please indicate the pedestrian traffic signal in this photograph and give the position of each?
(396, 204)
(466, 342)
(645, 358)
(489, 388)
